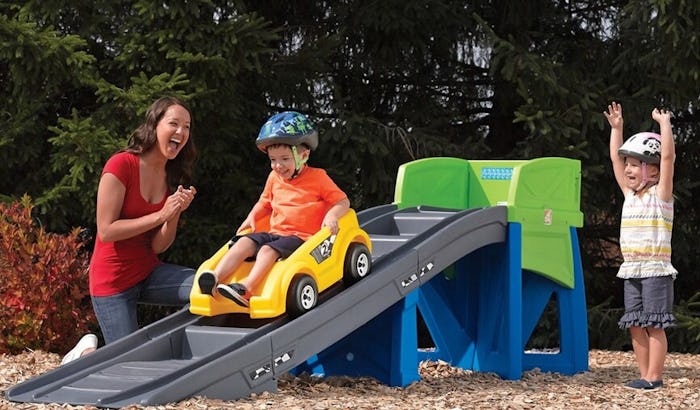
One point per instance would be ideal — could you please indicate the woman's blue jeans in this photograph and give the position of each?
(167, 285)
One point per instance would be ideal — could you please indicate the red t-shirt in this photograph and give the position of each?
(298, 206)
(117, 266)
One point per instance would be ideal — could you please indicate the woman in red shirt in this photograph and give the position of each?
(140, 198)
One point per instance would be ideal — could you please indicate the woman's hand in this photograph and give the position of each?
(177, 202)
(185, 196)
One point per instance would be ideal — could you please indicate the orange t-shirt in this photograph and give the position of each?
(299, 205)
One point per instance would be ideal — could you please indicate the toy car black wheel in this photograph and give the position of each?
(302, 295)
(358, 263)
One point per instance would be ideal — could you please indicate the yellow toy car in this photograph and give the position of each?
(293, 284)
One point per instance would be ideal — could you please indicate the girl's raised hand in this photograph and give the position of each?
(661, 115)
(614, 115)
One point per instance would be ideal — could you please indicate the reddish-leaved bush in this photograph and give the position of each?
(44, 298)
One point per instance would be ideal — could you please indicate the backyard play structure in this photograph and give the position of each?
(477, 250)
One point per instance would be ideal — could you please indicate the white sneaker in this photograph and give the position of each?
(89, 341)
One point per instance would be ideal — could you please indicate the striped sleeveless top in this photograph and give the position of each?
(645, 236)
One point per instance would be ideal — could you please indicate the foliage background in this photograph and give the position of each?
(386, 81)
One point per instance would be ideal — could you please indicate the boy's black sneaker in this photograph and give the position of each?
(207, 281)
(234, 291)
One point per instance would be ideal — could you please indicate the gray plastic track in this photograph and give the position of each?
(231, 356)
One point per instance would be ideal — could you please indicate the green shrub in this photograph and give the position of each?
(603, 331)
(44, 298)
(686, 337)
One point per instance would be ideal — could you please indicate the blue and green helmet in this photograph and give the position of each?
(290, 128)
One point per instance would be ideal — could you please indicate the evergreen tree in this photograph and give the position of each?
(386, 82)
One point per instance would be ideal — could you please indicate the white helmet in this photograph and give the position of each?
(645, 146)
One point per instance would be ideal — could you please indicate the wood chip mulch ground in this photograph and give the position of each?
(442, 387)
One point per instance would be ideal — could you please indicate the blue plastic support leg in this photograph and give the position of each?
(499, 318)
(443, 303)
(573, 321)
(474, 317)
(385, 348)
(312, 366)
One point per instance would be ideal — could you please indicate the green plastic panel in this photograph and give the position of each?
(543, 195)
(441, 182)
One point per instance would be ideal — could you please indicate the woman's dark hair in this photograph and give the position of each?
(179, 170)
